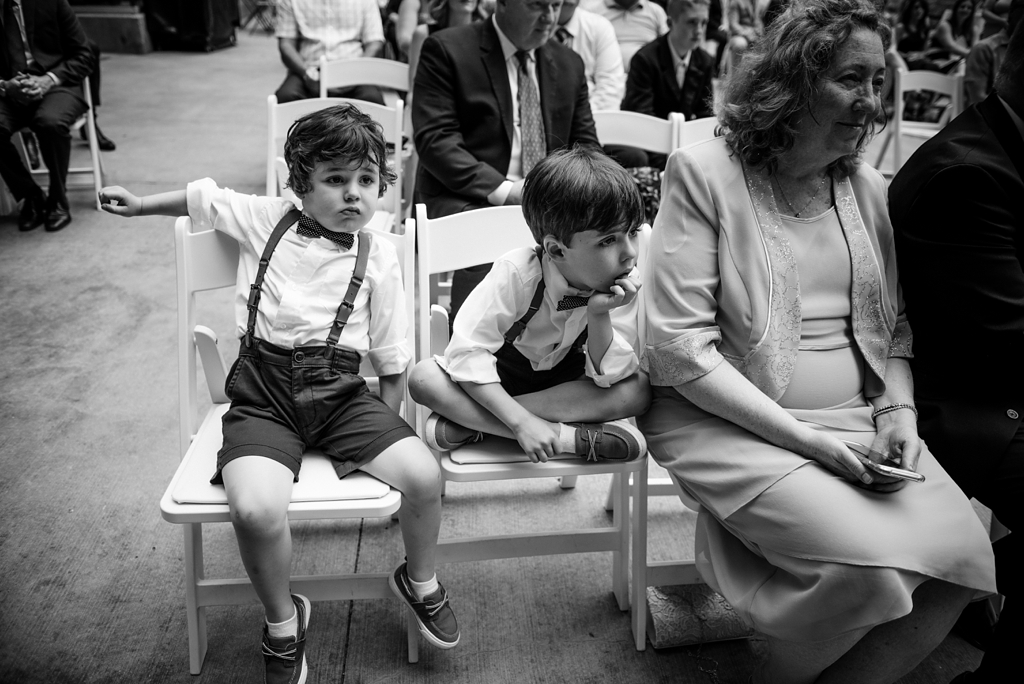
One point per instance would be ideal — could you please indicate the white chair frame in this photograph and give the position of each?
(647, 132)
(280, 117)
(206, 261)
(482, 235)
(950, 85)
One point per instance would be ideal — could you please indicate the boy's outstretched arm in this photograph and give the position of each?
(117, 200)
(537, 437)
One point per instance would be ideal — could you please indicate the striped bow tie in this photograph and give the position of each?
(571, 302)
(311, 228)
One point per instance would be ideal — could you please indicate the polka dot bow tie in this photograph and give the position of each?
(311, 228)
(571, 302)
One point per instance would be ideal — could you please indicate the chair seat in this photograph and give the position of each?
(318, 494)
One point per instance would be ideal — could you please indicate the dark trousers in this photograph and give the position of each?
(294, 88)
(51, 119)
(1003, 492)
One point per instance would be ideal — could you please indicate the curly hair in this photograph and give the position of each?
(779, 79)
(341, 132)
(580, 189)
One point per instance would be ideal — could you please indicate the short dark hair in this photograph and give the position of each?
(341, 132)
(579, 189)
(778, 79)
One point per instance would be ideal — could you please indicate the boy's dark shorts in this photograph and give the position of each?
(518, 376)
(286, 400)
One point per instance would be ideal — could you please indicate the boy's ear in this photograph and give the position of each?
(553, 248)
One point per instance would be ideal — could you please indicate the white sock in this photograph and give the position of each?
(288, 628)
(422, 589)
(566, 439)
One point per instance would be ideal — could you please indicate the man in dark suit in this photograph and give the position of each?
(958, 212)
(476, 96)
(673, 73)
(46, 57)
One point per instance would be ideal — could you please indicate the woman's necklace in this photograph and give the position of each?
(796, 213)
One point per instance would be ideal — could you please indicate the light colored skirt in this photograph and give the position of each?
(800, 553)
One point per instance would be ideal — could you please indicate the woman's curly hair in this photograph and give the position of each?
(778, 79)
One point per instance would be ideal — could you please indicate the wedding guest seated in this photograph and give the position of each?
(745, 27)
(778, 352)
(985, 58)
(636, 22)
(592, 37)
(339, 29)
(673, 74)
(912, 33)
(955, 34)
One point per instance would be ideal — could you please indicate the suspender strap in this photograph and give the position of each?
(519, 326)
(256, 289)
(345, 310)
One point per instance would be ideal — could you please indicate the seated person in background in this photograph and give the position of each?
(339, 29)
(673, 74)
(745, 26)
(491, 100)
(986, 57)
(44, 58)
(959, 220)
(543, 351)
(592, 37)
(337, 164)
(778, 352)
(912, 35)
(716, 30)
(955, 34)
(636, 22)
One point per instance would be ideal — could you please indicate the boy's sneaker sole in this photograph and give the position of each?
(285, 659)
(614, 441)
(430, 613)
(436, 434)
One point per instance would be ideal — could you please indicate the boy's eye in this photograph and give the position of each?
(633, 232)
(366, 180)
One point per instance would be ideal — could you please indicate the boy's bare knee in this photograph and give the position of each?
(423, 380)
(251, 517)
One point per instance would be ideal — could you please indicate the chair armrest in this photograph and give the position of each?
(213, 363)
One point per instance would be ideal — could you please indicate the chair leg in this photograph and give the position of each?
(567, 482)
(613, 488)
(195, 614)
(620, 557)
(413, 634)
(638, 617)
(885, 148)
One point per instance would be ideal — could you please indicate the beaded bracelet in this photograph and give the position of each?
(892, 407)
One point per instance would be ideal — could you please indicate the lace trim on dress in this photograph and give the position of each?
(902, 345)
(685, 358)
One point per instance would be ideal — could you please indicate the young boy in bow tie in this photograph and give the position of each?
(542, 351)
(324, 294)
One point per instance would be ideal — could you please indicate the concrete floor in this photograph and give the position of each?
(90, 575)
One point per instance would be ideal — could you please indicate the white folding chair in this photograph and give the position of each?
(467, 239)
(390, 75)
(280, 117)
(694, 130)
(947, 85)
(94, 171)
(207, 261)
(636, 130)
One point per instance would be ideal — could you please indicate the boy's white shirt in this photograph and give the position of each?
(307, 279)
(504, 297)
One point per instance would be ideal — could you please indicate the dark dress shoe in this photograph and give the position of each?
(33, 213)
(102, 141)
(58, 218)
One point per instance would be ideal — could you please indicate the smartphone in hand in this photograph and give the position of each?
(881, 468)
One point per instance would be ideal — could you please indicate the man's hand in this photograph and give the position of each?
(515, 195)
(33, 88)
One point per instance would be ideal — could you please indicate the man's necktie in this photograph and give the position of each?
(563, 36)
(571, 302)
(531, 122)
(15, 45)
(311, 228)
(681, 74)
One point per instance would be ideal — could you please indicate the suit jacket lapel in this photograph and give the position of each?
(494, 62)
(547, 79)
(1005, 131)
